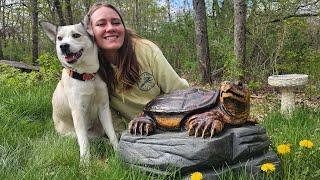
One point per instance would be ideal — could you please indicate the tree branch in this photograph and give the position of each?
(307, 4)
(295, 15)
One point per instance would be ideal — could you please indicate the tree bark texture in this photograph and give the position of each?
(34, 14)
(58, 8)
(240, 32)
(202, 44)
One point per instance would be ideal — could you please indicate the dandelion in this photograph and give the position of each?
(306, 143)
(268, 167)
(284, 148)
(196, 176)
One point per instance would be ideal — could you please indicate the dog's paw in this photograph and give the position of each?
(115, 145)
(84, 161)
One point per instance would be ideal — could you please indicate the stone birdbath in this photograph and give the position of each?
(287, 83)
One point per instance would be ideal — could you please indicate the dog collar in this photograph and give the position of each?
(81, 77)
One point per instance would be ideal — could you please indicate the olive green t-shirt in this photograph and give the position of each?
(156, 77)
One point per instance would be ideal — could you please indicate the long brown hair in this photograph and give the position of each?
(126, 60)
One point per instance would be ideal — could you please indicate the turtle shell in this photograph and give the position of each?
(182, 101)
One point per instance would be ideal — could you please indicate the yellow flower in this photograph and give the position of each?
(306, 143)
(268, 167)
(196, 176)
(284, 148)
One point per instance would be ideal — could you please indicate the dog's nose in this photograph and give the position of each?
(65, 48)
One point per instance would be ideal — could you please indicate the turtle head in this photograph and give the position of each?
(235, 97)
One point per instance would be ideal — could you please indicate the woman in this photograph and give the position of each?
(134, 68)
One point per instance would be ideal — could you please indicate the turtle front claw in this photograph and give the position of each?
(204, 125)
(141, 126)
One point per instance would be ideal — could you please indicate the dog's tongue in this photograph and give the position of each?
(69, 57)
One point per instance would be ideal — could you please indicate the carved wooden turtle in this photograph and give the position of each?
(200, 112)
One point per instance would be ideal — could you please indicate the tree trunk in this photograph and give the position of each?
(136, 15)
(2, 34)
(214, 12)
(169, 10)
(240, 34)
(69, 12)
(34, 14)
(51, 10)
(1, 52)
(86, 6)
(202, 44)
(58, 8)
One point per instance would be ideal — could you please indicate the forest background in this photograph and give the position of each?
(278, 37)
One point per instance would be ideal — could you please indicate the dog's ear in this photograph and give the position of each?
(50, 30)
(87, 25)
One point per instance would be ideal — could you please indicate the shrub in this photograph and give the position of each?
(50, 67)
(18, 51)
(14, 78)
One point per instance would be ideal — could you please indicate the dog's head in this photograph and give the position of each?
(73, 44)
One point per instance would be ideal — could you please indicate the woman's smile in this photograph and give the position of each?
(108, 29)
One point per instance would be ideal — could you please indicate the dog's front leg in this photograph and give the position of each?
(80, 126)
(106, 121)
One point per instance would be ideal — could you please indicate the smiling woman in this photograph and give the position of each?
(108, 29)
(134, 68)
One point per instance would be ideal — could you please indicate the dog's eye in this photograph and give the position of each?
(59, 38)
(76, 35)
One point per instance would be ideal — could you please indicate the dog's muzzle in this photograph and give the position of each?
(69, 56)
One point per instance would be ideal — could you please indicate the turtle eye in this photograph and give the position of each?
(76, 35)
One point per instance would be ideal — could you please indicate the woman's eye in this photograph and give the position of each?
(99, 24)
(76, 35)
(116, 21)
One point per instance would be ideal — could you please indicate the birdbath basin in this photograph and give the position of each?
(287, 83)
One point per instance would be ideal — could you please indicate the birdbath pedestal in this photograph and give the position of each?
(287, 83)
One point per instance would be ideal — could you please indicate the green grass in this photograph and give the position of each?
(30, 148)
(300, 163)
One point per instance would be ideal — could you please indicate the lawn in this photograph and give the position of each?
(30, 148)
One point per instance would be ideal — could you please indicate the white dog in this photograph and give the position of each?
(80, 101)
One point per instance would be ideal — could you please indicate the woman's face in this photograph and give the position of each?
(108, 29)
